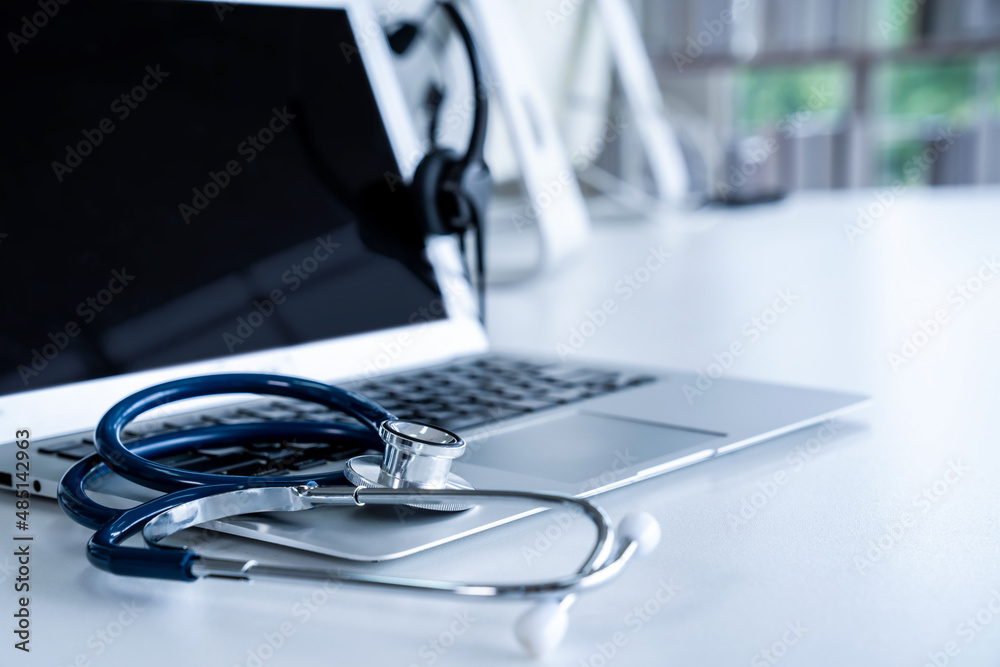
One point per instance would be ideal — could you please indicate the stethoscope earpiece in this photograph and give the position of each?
(642, 529)
(542, 628)
(415, 470)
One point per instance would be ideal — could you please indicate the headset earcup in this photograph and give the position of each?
(428, 189)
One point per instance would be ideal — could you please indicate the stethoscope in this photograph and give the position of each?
(415, 470)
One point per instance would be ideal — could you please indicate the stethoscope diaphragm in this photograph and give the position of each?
(417, 457)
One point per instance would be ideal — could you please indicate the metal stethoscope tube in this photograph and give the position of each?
(415, 470)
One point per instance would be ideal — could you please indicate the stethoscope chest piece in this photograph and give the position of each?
(417, 457)
(415, 471)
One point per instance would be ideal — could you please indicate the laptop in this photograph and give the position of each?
(196, 187)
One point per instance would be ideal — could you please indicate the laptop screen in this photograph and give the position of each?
(184, 181)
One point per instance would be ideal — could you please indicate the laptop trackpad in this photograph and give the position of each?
(582, 447)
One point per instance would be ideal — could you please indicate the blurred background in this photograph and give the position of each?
(853, 91)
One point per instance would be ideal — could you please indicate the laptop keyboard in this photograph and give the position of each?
(458, 396)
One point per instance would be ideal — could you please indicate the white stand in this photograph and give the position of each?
(556, 207)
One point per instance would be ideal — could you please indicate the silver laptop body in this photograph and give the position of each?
(582, 448)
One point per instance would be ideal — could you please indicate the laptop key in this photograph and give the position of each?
(221, 464)
(232, 419)
(252, 468)
(268, 414)
(528, 404)
(321, 417)
(561, 395)
(265, 446)
(459, 396)
(312, 448)
(51, 447)
(76, 452)
(466, 422)
(298, 407)
(305, 464)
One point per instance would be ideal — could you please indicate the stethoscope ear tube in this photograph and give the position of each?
(130, 465)
(191, 507)
(77, 504)
(410, 469)
(106, 552)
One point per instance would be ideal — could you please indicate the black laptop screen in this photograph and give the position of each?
(184, 180)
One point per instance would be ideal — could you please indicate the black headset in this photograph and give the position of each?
(451, 190)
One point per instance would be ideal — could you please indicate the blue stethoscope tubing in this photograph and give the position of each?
(113, 526)
(84, 473)
(130, 465)
(192, 498)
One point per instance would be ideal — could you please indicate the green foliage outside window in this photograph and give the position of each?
(895, 22)
(910, 98)
(927, 95)
(776, 96)
(945, 90)
(901, 163)
(996, 85)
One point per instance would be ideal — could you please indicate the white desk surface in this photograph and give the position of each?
(806, 555)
